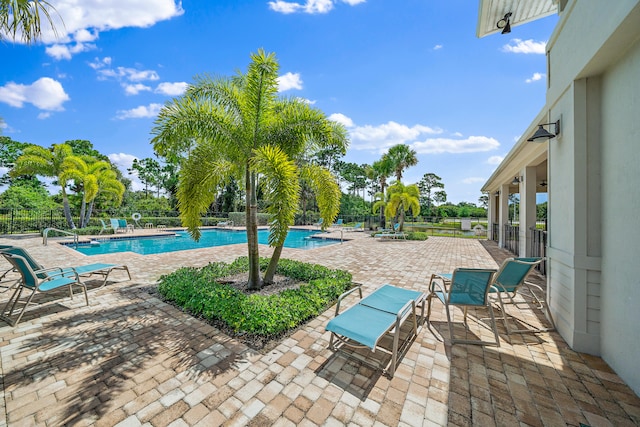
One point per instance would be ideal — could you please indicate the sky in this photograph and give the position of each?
(392, 71)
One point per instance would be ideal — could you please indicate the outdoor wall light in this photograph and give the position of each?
(516, 180)
(505, 23)
(541, 134)
(497, 193)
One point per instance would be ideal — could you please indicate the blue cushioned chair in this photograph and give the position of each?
(83, 270)
(511, 280)
(31, 282)
(466, 288)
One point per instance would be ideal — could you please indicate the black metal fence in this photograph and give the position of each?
(23, 221)
(512, 238)
(539, 247)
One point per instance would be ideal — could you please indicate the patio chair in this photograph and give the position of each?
(31, 282)
(393, 233)
(338, 223)
(366, 323)
(87, 270)
(467, 288)
(319, 223)
(511, 280)
(105, 227)
(7, 279)
(358, 226)
(115, 224)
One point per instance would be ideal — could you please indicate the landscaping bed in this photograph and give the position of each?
(218, 294)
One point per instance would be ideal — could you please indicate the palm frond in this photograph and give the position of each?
(282, 189)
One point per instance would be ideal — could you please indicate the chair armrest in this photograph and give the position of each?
(442, 288)
(357, 287)
(436, 276)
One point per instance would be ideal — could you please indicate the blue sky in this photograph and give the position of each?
(401, 71)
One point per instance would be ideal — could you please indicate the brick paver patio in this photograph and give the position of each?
(129, 359)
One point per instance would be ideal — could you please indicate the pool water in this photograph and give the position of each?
(299, 239)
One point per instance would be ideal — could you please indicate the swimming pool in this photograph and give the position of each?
(300, 239)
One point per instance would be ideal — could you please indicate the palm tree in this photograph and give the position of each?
(23, 18)
(400, 199)
(93, 177)
(37, 160)
(401, 158)
(241, 130)
(383, 169)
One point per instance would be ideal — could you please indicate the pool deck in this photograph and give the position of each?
(129, 359)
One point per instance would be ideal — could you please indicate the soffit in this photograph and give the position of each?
(523, 11)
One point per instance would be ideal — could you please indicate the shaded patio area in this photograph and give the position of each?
(130, 359)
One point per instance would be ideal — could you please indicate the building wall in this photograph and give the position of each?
(620, 316)
(594, 187)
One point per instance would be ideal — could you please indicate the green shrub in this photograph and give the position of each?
(197, 291)
(417, 235)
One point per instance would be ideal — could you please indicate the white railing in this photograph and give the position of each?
(45, 235)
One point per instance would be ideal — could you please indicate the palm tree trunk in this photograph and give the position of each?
(252, 231)
(83, 209)
(88, 214)
(67, 209)
(273, 265)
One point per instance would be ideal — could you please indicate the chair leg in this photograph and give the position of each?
(11, 303)
(494, 327)
(26, 304)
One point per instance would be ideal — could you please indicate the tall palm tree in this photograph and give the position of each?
(383, 169)
(241, 129)
(52, 163)
(24, 18)
(400, 199)
(401, 158)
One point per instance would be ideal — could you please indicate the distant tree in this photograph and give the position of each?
(26, 194)
(427, 184)
(148, 172)
(22, 18)
(484, 200)
(401, 157)
(10, 150)
(440, 197)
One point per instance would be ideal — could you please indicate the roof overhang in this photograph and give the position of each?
(522, 11)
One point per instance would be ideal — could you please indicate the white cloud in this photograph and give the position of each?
(495, 160)
(43, 115)
(124, 162)
(437, 47)
(379, 138)
(306, 101)
(309, 6)
(535, 77)
(472, 144)
(135, 89)
(289, 81)
(342, 119)
(525, 46)
(80, 22)
(45, 93)
(129, 74)
(65, 51)
(141, 112)
(172, 89)
(473, 180)
(100, 63)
